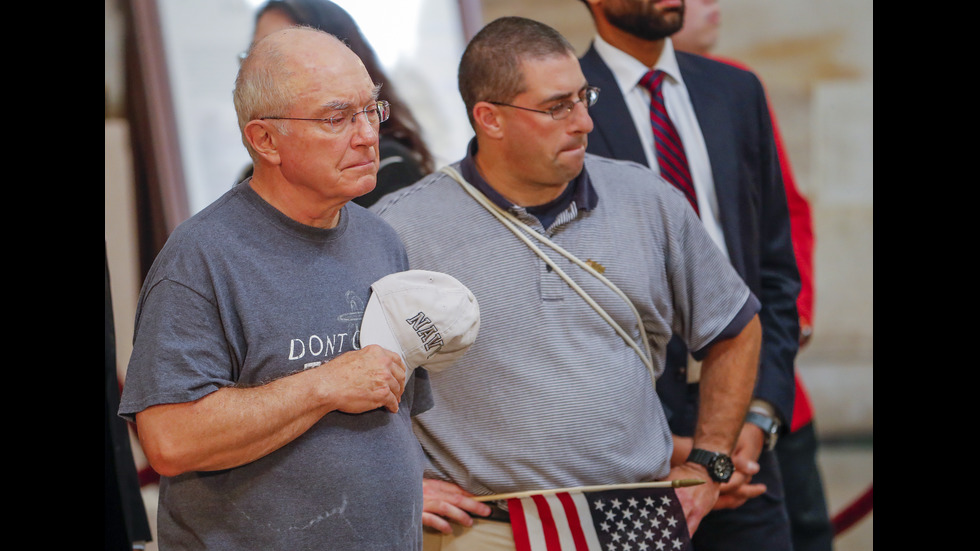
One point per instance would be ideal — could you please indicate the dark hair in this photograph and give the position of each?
(329, 17)
(490, 69)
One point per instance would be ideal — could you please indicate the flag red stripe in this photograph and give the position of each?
(547, 523)
(519, 525)
(574, 522)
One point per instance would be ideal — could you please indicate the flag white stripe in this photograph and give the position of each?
(535, 532)
(561, 522)
(588, 527)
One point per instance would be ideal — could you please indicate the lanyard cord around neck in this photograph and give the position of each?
(512, 223)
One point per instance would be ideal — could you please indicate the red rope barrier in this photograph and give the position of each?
(857, 510)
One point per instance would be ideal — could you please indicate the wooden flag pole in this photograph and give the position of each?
(601, 488)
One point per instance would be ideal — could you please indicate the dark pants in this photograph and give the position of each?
(805, 502)
(761, 524)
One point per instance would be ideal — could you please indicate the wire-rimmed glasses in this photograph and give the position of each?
(561, 110)
(375, 114)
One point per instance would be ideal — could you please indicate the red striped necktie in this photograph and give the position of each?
(670, 150)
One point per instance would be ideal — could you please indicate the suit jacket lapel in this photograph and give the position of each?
(714, 115)
(614, 134)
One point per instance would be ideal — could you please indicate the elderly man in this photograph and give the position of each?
(272, 430)
(705, 127)
(553, 395)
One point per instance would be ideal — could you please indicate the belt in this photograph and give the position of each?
(497, 514)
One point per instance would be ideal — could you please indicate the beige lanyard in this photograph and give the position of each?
(512, 223)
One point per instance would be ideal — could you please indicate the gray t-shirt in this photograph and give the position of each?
(242, 295)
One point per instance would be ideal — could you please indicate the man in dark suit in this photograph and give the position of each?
(655, 102)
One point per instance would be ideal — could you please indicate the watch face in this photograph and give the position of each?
(722, 468)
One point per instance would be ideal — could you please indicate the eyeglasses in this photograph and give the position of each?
(375, 114)
(562, 110)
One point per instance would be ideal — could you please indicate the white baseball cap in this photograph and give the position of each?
(429, 318)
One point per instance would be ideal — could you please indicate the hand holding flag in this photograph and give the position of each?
(630, 517)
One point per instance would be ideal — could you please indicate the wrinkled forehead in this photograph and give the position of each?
(324, 69)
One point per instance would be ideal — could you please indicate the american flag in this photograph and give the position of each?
(644, 519)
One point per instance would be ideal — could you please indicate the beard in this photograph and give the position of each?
(645, 20)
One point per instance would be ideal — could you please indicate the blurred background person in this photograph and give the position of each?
(404, 155)
(126, 524)
(797, 450)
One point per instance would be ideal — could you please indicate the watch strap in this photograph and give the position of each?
(719, 465)
(769, 425)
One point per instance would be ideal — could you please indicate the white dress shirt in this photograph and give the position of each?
(628, 72)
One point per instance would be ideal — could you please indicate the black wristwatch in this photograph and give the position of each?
(769, 426)
(719, 465)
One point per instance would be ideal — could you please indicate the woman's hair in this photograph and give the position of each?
(329, 17)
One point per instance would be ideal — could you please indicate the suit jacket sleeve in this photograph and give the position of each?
(778, 277)
(800, 218)
(734, 116)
